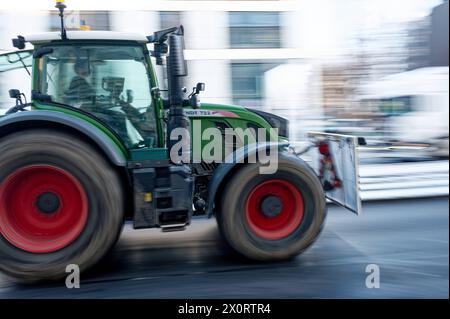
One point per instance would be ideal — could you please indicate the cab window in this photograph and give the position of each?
(110, 82)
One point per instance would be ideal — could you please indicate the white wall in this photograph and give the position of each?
(294, 92)
(208, 30)
(143, 22)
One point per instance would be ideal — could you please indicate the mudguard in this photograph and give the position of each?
(229, 164)
(112, 151)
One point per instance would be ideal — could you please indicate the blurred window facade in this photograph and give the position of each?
(248, 82)
(87, 20)
(254, 30)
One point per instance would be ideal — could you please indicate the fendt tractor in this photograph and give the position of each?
(92, 149)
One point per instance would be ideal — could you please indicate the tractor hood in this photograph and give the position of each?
(235, 112)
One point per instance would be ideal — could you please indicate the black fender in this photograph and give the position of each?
(225, 170)
(23, 120)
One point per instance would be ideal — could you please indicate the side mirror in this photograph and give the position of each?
(15, 94)
(19, 42)
(200, 88)
(194, 100)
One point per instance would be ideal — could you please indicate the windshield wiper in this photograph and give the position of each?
(23, 63)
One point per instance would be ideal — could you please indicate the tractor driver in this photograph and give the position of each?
(80, 91)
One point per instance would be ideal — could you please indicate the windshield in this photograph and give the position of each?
(110, 82)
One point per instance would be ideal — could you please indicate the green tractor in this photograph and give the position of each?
(94, 148)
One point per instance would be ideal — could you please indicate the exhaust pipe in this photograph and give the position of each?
(178, 126)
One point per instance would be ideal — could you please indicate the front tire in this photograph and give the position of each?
(272, 217)
(61, 203)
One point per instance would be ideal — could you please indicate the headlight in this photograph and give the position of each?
(275, 121)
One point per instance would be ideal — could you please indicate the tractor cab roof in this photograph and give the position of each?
(46, 37)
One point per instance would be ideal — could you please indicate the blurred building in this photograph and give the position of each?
(419, 43)
(439, 36)
(428, 39)
(300, 59)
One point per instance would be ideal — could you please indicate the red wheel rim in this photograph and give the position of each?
(288, 217)
(42, 208)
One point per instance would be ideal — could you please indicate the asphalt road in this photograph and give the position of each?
(407, 239)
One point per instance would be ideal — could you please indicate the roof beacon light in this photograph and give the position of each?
(61, 6)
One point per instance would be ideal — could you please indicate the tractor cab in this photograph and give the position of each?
(109, 76)
(105, 74)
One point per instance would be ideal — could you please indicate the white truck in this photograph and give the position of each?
(415, 104)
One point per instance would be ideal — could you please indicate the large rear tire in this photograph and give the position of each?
(61, 203)
(272, 217)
